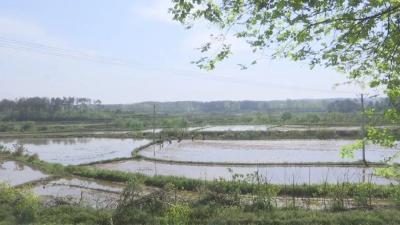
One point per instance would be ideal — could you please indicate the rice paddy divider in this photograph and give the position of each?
(133, 156)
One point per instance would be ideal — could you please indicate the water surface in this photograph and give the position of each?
(263, 151)
(16, 173)
(238, 128)
(271, 174)
(84, 192)
(73, 151)
(269, 127)
(313, 128)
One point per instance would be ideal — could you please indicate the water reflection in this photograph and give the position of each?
(271, 174)
(15, 173)
(264, 151)
(83, 192)
(76, 150)
(237, 128)
(270, 127)
(47, 141)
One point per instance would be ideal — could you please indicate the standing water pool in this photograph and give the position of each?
(262, 151)
(73, 151)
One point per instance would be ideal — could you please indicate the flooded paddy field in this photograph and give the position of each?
(237, 128)
(201, 155)
(15, 173)
(73, 151)
(269, 151)
(313, 128)
(267, 127)
(270, 127)
(158, 130)
(270, 174)
(77, 191)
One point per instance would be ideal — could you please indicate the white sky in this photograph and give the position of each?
(155, 50)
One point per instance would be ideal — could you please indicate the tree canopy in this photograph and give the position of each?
(360, 38)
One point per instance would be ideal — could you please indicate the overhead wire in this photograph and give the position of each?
(39, 48)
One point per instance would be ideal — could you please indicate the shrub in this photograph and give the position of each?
(131, 210)
(33, 157)
(19, 149)
(178, 214)
(19, 206)
(395, 196)
(3, 149)
(338, 196)
(27, 126)
(363, 194)
(4, 127)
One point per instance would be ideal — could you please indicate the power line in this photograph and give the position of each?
(48, 50)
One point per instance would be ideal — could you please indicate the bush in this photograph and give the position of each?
(27, 126)
(33, 157)
(21, 207)
(363, 195)
(67, 214)
(395, 196)
(3, 149)
(5, 127)
(131, 210)
(19, 150)
(178, 214)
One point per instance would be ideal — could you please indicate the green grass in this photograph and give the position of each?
(219, 186)
(20, 207)
(217, 202)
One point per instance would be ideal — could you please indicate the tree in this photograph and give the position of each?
(38, 109)
(286, 116)
(344, 106)
(312, 118)
(360, 38)
(97, 102)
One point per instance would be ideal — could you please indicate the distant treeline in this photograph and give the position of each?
(73, 109)
(37, 108)
(293, 106)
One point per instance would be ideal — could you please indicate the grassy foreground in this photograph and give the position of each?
(217, 202)
(20, 207)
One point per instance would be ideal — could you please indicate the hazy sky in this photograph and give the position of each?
(129, 51)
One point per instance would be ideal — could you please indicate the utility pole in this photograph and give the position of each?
(154, 139)
(363, 129)
(154, 122)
